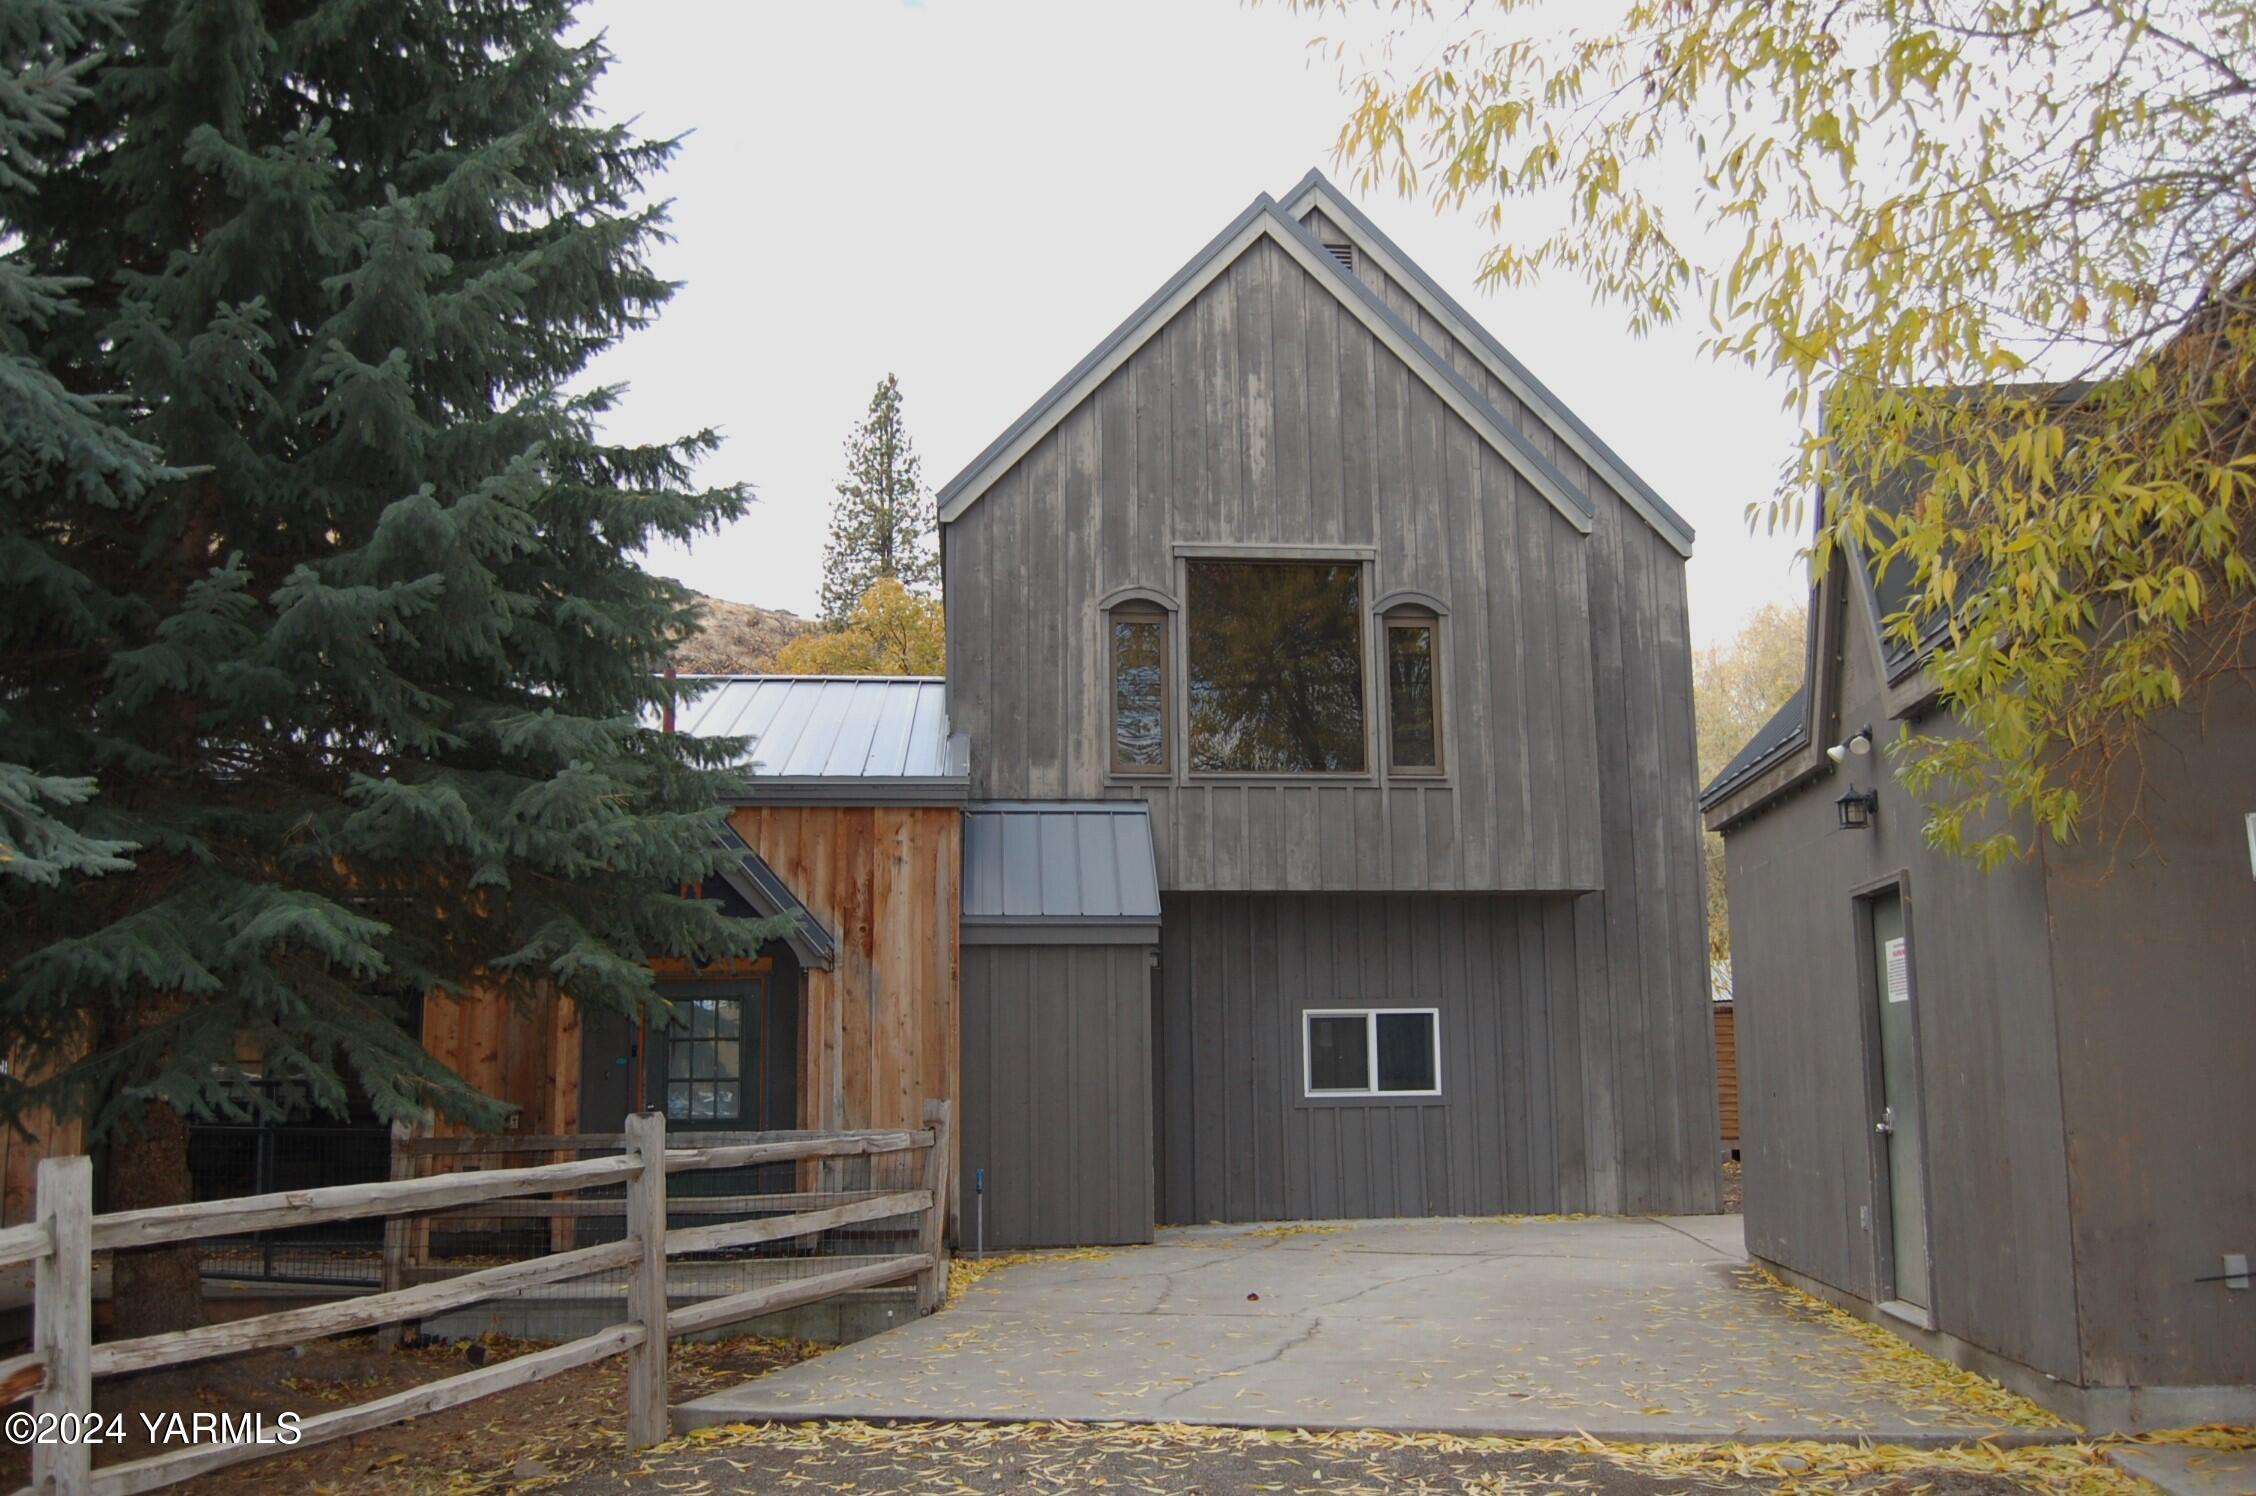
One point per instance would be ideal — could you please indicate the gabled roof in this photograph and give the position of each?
(1316, 190)
(1787, 729)
(858, 739)
(769, 897)
(1055, 866)
(1262, 218)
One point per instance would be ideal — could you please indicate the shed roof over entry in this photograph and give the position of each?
(1037, 872)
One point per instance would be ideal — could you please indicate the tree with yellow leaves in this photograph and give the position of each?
(891, 631)
(2001, 252)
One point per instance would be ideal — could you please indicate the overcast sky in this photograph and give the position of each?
(972, 193)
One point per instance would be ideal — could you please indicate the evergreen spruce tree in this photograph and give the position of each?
(367, 679)
(881, 524)
(50, 439)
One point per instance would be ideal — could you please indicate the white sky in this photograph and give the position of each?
(972, 193)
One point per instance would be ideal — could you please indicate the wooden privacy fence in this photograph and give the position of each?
(60, 1368)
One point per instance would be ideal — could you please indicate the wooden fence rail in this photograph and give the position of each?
(59, 1370)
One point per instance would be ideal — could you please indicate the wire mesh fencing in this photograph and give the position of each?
(228, 1161)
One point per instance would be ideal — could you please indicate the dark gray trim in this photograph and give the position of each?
(1057, 932)
(1553, 411)
(808, 791)
(770, 897)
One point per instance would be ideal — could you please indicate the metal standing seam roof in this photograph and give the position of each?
(1082, 863)
(835, 736)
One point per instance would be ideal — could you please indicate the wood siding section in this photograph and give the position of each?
(2153, 922)
(1530, 1086)
(878, 1032)
(1982, 973)
(1265, 414)
(1058, 1093)
(1727, 1072)
(526, 1053)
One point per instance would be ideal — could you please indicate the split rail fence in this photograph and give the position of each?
(59, 1370)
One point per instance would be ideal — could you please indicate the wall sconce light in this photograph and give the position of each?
(1857, 808)
(1859, 743)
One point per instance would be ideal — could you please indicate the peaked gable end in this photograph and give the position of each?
(1314, 200)
(1261, 221)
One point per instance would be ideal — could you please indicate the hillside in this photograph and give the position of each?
(737, 638)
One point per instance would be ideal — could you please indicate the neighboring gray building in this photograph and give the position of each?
(1305, 572)
(2012, 1115)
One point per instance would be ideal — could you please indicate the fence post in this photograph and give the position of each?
(62, 1318)
(646, 1290)
(932, 1283)
(395, 1234)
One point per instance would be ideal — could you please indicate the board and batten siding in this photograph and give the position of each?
(1513, 1129)
(1264, 414)
(1997, 1172)
(878, 1033)
(1057, 1084)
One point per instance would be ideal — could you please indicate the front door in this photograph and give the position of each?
(1898, 1123)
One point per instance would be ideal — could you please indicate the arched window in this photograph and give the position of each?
(1136, 650)
(1412, 633)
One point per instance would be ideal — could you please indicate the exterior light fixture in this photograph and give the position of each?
(1857, 808)
(1859, 743)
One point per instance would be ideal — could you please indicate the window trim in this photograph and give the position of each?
(1139, 610)
(1402, 617)
(1361, 559)
(1370, 1015)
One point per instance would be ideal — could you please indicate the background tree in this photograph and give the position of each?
(2010, 243)
(1738, 686)
(882, 523)
(891, 631)
(364, 679)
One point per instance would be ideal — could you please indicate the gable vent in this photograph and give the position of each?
(1344, 253)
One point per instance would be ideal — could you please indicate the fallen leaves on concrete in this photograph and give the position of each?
(1897, 1365)
(965, 1271)
(1064, 1456)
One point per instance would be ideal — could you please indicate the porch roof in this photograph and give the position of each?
(1046, 871)
(763, 889)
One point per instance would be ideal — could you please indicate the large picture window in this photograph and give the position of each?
(1372, 1051)
(1275, 655)
(1139, 690)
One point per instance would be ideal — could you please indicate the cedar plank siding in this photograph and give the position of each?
(878, 1032)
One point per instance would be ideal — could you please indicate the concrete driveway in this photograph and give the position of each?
(1625, 1329)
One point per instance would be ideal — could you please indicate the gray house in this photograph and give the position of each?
(2012, 1115)
(1302, 571)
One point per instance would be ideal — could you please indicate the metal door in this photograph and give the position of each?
(1898, 1122)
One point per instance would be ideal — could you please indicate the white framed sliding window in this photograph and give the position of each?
(1370, 1052)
